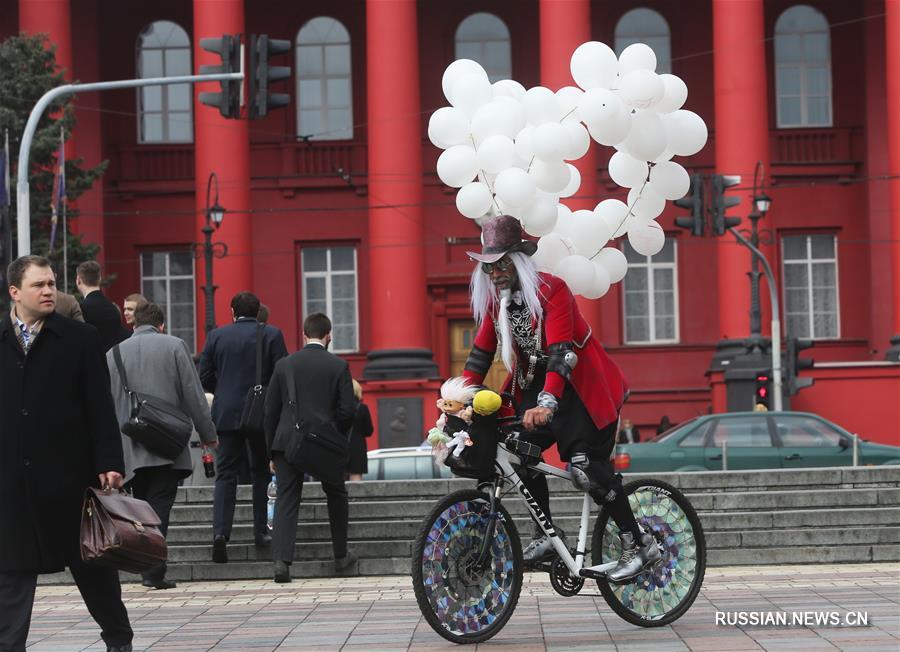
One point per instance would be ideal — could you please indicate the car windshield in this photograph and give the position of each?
(674, 430)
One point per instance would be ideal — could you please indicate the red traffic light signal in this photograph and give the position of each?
(762, 391)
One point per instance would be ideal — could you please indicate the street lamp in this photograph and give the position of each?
(214, 216)
(761, 205)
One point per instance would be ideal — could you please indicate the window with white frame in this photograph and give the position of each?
(484, 38)
(650, 292)
(329, 286)
(164, 112)
(803, 68)
(324, 81)
(167, 279)
(811, 305)
(644, 25)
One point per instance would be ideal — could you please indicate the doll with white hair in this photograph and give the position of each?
(450, 431)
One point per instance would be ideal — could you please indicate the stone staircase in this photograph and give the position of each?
(749, 517)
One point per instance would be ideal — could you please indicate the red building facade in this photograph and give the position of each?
(333, 203)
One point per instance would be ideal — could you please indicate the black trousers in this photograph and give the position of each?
(231, 454)
(287, 503)
(158, 485)
(99, 588)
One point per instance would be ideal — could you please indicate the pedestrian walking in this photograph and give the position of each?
(358, 463)
(99, 312)
(58, 435)
(129, 305)
(158, 365)
(228, 370)
(628, 434)
(68, 306)
(323, 403)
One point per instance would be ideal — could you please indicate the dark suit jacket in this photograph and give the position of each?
(58, 430)
(324, 395)
(101, 313)
(228, 366)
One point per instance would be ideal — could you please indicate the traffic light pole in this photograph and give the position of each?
(23, 201)
(776, 319)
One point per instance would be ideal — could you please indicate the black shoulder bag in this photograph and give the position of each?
(156, 424)
(254, 413)
(318, 449)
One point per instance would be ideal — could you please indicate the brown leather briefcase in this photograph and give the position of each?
(120, 531)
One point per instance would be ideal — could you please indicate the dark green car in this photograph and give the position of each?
(754, 440)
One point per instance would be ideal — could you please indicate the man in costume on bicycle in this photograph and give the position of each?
(566, 388)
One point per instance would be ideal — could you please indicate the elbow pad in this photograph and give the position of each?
(479, 361)
(562, 359)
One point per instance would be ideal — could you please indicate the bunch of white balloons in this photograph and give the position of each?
(506, 149)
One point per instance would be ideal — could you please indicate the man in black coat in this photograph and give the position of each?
(323, 391)
(58, 435)
(98, 311)
(228, 370)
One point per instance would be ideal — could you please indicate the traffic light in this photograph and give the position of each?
(796, 364)
(262, 74)
(228, 48)
(693, 201)
(720, 203)
(761, 396)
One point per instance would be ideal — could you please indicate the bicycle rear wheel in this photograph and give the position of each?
(663, 593)
(462, 602)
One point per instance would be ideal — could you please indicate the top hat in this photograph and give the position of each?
(500, 236)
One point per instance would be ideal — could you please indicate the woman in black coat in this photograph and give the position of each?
(358, 464)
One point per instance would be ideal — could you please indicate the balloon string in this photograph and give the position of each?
(628, 212)
(483, 176)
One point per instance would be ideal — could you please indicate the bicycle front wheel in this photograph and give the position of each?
(663, 593)
(463, 601)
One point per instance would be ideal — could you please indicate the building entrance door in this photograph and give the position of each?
(462, 335)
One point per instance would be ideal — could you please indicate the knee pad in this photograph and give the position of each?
(578, 467)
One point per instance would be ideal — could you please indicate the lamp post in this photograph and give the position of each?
(761, 204)
(214, 216)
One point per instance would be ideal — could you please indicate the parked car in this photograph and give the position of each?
(755, 440)
(407, 463)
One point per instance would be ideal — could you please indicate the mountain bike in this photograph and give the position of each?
(467, 564)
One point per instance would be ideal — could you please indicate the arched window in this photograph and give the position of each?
(803, 68)
(644, 25)
(324, 82)
(484, 38)
(164, 112)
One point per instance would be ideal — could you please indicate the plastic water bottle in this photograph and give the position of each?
(271, 492)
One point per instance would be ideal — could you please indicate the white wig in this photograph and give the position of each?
(458, 389)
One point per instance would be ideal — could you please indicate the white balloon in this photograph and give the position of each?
(474, 200)
(539, 218)
(569, 97)
(550, 177)
(508, 88)
(574, 182)
(515, 115)
(598, 105)
(614, 214)
(669, 179)
(508, 209)
(551, 141)
(593, 65)
(524, 142)
(641, 89)
(456, 70)
(579, 140)
(646, 203)
(614, 262)
(667, 153)
(626, 170)
(675, 94)
(563, 221)
(470, 92)
(490, 120)
(457, 165)
(611, 131)
(647, 138)
(600, 285)
(540, 105)
(514, 187)
(589, 233)
(448, 126)
(551, 249)
(647, 238)
(685, 132)
(496, 154)
(578, 273)
(637, 56)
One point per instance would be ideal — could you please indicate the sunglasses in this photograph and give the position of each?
(501, 265)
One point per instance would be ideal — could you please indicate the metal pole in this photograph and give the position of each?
(724, 454)
(855, 449)
(776, 318)
(23, 205)
(209, 289)
(65, 233)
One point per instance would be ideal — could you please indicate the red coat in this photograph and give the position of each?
(597, 380)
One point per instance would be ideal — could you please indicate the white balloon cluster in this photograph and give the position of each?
(507, 150)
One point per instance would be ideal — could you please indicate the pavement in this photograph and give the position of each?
(380, 613)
